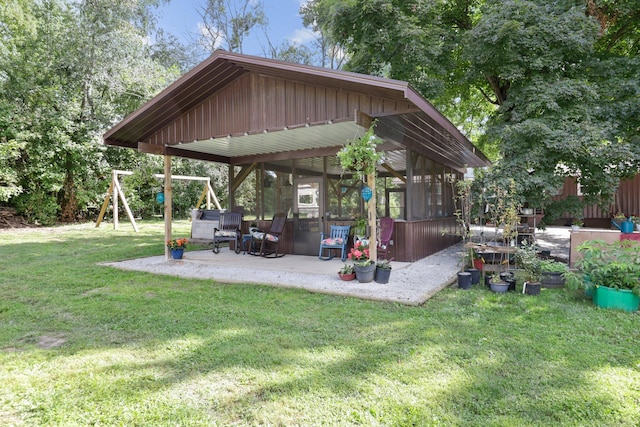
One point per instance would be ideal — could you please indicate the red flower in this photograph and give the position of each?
(359, 252)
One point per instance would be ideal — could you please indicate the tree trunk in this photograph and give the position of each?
(69, 202)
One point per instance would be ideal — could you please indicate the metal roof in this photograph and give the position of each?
(238, 109)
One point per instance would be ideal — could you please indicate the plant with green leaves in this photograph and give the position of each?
(346, 269)
(359, 226)
(552, 266)
(615, 265)
(359, 155)
(528, 262)
(462, 205)
(618, 275)
(384, 264)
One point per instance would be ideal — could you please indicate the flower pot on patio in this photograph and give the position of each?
(365, 273)
(347, 277)
(177, 253)
(382, 275)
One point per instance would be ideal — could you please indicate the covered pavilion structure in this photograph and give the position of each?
(278, 127)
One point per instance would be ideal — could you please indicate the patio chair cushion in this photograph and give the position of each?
(225, 233)
(332, 242)
(260, 235)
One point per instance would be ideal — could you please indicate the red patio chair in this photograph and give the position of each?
(386, 232)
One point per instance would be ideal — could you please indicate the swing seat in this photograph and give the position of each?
(203, 223)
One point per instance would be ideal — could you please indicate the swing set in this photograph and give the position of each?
(115, 191)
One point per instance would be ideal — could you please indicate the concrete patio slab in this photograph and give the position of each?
(410, 283)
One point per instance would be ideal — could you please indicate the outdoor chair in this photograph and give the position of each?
(266, 243)
(386, 232)
(228, 231)
(337, 240)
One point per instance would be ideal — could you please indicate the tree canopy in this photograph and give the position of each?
(69, 71)
(548, 89)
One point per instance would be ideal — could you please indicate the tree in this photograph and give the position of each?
(74, 69)
(226, 23)
(330, 52)
(558, 80)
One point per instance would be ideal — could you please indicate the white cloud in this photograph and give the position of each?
(213, 36)
(302, 36)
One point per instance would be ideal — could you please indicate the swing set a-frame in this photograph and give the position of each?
(115, 192)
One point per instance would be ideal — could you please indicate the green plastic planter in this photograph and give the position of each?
(622, 299)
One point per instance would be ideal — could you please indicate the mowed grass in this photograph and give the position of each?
(83, 344)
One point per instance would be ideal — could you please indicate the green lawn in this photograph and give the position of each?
(82, 344)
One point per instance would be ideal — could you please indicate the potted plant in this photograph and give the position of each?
(530, 268)
(576, 224)
(552, 273)
(383, 271)
(463, 204)
(359, 229)
(509, 219)
(359, 155)
(347, 273)
(364, 266)
(177, 247)
(610, 273)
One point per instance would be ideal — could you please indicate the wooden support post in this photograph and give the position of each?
(167, 204)
(213, 195)
(125, 204)
(371, 210)
(114, 180)
(105, 205)
(205, 193)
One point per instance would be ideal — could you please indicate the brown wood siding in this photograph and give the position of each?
(627, 201)
(415, 240)
(628, 197)
(254, 103)
(286, 245)
(412, 240)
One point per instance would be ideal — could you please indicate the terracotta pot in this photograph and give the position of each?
(347, 277)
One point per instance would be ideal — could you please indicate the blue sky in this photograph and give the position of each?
(181, 18)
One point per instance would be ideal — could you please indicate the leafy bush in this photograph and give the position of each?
(618, 275)
(549, 265)
(38, 207)
(527, 260)
(615, 265)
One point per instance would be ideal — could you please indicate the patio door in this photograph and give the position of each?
(308, 215)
